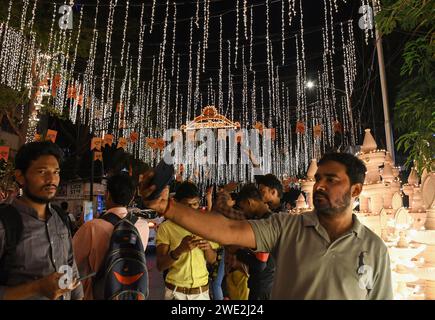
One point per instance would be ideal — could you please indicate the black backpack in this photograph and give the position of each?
(13, 225)
(124, 274)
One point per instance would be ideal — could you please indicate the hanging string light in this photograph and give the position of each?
(50, 37)
(152, 16)
(6, 46)
(331, 53)
(253, 99)
(140, 47)
(229, 75)
(251, 39)
(177, 124)
(245, 17)
(161, 79)
(205, 39)
(291, 11)
(245, 90)
(197, 14)
(107, 52)
(23, 15)
(125, 32)
(236, 49)
(198, 70)
(76, 44)
(282, 33)
(220, 99)
(189, 83)
(174, 32)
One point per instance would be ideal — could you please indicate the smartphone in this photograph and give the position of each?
(87, 276)
(163, 176)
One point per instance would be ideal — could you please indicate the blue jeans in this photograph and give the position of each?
(216, 285)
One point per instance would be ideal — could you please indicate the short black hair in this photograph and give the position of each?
(33, 151)
(249, 191)
(291, 196)
(121, 188)
(355, 168)
(272, 182)
(186, 190)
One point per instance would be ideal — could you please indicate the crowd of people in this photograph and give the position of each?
(244, 245)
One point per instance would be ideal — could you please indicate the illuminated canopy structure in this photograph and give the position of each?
(210, 119)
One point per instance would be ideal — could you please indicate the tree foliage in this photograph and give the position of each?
(415, 100)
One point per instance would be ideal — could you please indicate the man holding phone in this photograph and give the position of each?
(183, 254)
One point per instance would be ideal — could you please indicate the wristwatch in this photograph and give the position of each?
(173, 257)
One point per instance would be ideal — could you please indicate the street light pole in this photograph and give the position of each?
(387, 124)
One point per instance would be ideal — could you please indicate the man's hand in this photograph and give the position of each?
(146, 189)
(49, 286)
(204, 245)
(187, 244)
(230, 187)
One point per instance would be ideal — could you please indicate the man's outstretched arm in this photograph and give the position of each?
(212, 226)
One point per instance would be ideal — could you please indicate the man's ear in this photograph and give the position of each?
(356, 190)
(19, 177)
(273, 192)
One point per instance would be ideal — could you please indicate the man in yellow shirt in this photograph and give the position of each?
(183, 254)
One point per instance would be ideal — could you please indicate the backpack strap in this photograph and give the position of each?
(111, 217)
(13, 225)
(64, 217)
(132, 218)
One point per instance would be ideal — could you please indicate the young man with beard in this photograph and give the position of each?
(35, 241)
(324, 254)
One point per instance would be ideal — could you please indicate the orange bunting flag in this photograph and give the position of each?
(239, 136)
(134, 136)
(160, 144)
(151, 142)
(317, 129)
(42, 83)
(4, 153)
(55, 84)
(300, 127)
(98, 156)
(338, 128)
(80, 101)
(122, 143)
(273, 133)
(51, 135)
(72, 92)
(259, 126)
(96, 143)
(108, 139)
(53, 91)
